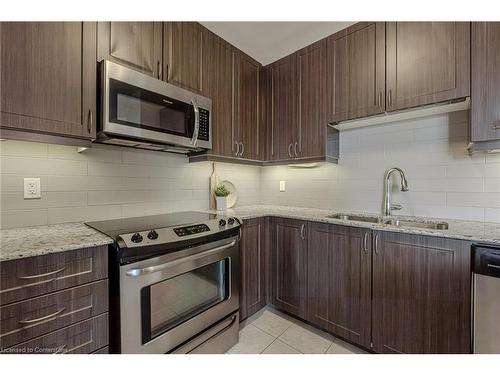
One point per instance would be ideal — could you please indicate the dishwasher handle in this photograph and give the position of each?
(487, 260)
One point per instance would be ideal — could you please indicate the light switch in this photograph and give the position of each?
(32, 188)
(282, 185)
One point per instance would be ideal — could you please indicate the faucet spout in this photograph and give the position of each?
(386, 205)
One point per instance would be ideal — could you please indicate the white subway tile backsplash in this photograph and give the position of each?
(444, 180)
(86, 213)
(42, 166)
(23, 218)
(15, 200)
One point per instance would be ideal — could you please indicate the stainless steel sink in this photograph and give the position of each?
(439, 225)
(365, 219)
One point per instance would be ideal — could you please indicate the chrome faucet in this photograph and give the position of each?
(387, 207)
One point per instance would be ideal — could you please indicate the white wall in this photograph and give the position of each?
(107, 182)
(444, 180)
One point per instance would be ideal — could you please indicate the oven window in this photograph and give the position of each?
(171, 302)
(135, 107)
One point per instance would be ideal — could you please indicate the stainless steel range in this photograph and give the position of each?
(174, 283)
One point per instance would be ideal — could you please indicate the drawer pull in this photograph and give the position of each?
(41, 275)
(30, 321)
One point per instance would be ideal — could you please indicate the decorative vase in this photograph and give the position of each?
(221, 203)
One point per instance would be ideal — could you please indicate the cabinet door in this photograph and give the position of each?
(48, 77)
(252, 291)
(134, 44)
(247, 111)
(427, 62)
(283, 108)
(485, 79)
(312, 101)
(183, 54)
(289, 265)
(356, 71)
(339, 280)
(421, 294)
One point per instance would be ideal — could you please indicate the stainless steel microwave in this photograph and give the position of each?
(137, 110)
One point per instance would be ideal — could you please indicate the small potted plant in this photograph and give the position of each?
(221, 194)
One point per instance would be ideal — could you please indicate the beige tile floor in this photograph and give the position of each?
(272, 332)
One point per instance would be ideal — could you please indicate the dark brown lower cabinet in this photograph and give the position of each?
(288, 264)
(253, 269)
(421, 294)
(339, 280)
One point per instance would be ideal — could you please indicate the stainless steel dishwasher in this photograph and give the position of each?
(486, 268)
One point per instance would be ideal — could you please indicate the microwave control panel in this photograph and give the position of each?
(204, 125)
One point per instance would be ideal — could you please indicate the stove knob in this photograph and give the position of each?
(136, 238)
(222, 222)
(153, 235)
(230, 221)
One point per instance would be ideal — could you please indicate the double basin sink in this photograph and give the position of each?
(437, 225)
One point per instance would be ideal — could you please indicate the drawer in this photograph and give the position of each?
(81, 338)
(22, 321)
(30, 277)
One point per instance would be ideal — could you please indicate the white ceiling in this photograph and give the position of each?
(267, 42)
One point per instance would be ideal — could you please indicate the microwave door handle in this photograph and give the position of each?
(196, 122)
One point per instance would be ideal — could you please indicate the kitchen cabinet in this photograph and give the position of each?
(284, 110)
(246, 111)
(182, 54)
(427, 62)
(253, 268)
(312, 127)
(289, 265)
(48, 78)
(485, 80)
(137, 45)
(55, 303)
(356, 72)
(339, 280)
(421, 294)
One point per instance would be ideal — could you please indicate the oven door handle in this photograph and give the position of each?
(134, 272)
(196, 122)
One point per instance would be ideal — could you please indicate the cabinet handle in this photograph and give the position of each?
(290, 150)
(90, 120)
(295, 149)
(302, 231)
(30, 321)
(242, 148)
(365, 242)
(159, 70)
(380, 99)
(41, 274)
(389, 99)
(376, 244)
(237, 148)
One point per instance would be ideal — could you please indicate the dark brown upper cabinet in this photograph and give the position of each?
(312, 125)
(289, 265)
(283, 108)
(339, 280)
(427, 62)
(485, 79)
(48, 77)
(137, 45)
(421, 294)
(253, 268)
(182, 54)
(356, 72)
(246, 100)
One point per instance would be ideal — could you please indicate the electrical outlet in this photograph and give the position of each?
(32, 188)
(282, 185)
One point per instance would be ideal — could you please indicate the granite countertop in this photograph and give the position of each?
(32, 241)
(460, 229)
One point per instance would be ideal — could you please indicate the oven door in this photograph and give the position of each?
(166, 301)
(137, 106)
